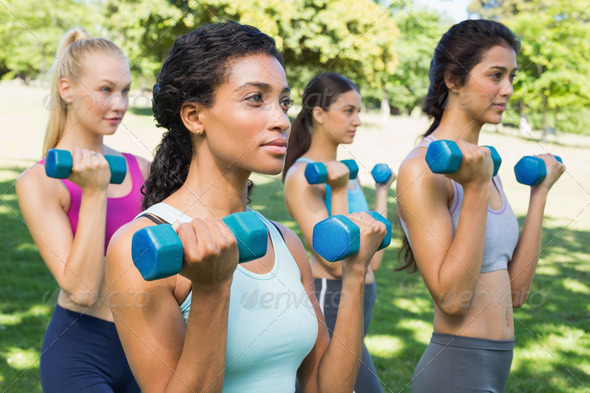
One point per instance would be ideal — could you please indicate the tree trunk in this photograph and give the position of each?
(385, 106)
(385, 111)
(544, 125)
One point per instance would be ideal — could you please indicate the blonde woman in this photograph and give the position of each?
(72, 220)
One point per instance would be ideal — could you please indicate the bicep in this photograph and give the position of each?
(423, 206)
(46, 220)
(305, 203)
(147, 316)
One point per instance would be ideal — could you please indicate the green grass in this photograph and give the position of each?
(552, 330)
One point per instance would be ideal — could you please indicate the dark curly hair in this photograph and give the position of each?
(197, 64)
(459, 50)
(322, 90)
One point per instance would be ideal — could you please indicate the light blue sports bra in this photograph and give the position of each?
(272, 325)
(356, 199)
(501, 225)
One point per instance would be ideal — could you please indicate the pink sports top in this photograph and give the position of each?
(120, 210)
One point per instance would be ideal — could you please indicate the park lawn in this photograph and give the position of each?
(552, 330)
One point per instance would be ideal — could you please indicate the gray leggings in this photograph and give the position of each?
(463, 364)
(328, 294)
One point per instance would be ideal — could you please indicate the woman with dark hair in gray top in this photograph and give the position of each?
(461, 233)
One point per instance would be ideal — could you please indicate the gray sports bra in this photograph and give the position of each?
(501, 226)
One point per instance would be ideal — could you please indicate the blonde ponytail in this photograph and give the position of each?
(75, 45)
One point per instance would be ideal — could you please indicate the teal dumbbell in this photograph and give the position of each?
(337, 237)
(531, 170)
(58, 164)
(381, 173)
(316, 172)
(444, 156)
(157, 250)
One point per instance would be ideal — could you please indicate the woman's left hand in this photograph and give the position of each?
(554, 171)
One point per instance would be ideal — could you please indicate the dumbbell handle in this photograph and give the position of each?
(157, 251)
(317, 173)
(58, 165)
(338, 237)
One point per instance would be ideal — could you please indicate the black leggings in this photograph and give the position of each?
(81, 353)
(328, 294)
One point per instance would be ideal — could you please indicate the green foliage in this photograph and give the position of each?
(420, 30)
(31, 31)
(554, 60)
(355, 38)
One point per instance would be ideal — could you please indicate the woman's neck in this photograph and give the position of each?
(76, 136)
(456, 124)
(323, 147)
(211, 192)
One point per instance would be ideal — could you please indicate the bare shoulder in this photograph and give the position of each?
(33, 183)
(295, 174)
(144, 166)
(294, 244)
(33, 174)
(415, 174)
(120, 270)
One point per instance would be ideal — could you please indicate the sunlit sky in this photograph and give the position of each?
(456, 9)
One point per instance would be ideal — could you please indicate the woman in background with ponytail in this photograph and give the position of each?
(72, 220)
(330, 117)
(461, 234)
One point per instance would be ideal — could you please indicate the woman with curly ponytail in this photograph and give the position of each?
(330, 117)
(461, 233)
(72, 220)
(222, 96)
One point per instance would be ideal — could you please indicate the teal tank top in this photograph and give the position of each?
(272, 325)
(356, 199)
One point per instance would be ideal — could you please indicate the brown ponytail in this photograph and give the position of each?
(322, 90)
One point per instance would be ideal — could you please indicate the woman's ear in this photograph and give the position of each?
(318, 114)
(452, 83)
(65, 90)
(193, 116)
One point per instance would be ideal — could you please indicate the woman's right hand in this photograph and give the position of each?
(90, 170)
(210, 252)
(476, 167)
(338, 174)
(372, 232)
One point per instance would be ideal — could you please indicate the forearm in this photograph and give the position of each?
(524, 261)
(462, 264)
(202, 362)
(381, 208)
(83, 271)
(381, 194)
(340, 363)
(339, 201)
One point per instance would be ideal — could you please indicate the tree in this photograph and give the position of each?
(31, 32)
(354, 38)
(420, 29)
(552, 78)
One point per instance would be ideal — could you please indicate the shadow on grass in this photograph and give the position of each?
(26, 297)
